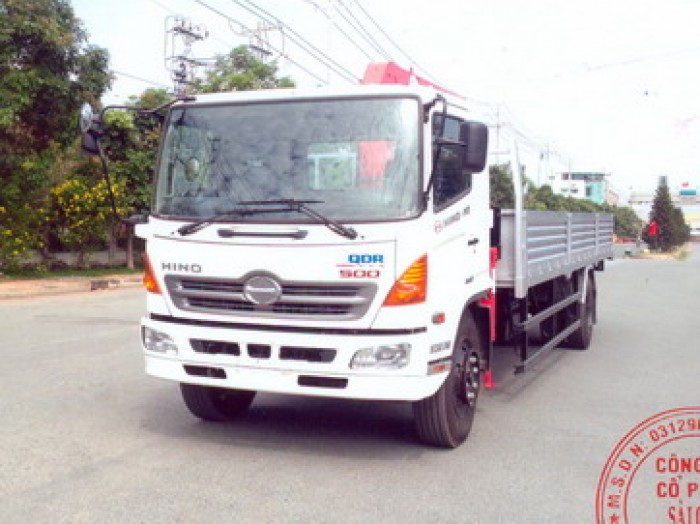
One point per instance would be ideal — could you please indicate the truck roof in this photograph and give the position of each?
(425, 94)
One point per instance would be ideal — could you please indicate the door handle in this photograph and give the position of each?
(473, 242)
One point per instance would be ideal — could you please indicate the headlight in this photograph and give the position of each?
(386, 357)
(157, 341)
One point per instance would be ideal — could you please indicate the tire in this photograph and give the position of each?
(558, 289)
(581, 338)
(216, 404)
(445, 418)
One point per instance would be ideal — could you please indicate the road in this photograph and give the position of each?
(87, 437)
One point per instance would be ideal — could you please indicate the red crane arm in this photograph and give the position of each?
(392, 73)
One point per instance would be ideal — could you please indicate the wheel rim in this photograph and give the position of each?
(469, 377)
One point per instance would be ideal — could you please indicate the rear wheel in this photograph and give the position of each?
(445, 418)
(581, 338)
(556, 291)
(216, 404)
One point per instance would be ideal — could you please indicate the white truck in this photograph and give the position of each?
(339, 243)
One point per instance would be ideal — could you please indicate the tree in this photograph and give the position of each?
(501, 186)
(131, 144)
(47, 69)
(627, 223)
(672, 229)
(240, 70)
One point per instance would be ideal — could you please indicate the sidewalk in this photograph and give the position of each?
(58, 286)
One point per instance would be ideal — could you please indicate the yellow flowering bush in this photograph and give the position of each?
(18, 235)
(81, 212)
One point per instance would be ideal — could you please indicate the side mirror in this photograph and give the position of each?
(85, 118)
(476, 137)
(88, 143)
(90, 129)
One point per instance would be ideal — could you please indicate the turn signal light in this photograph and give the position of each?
(149, 278)
(412, 287)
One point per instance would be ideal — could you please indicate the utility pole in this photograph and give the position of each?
(180, 35)
(547, 171)
(259, 41)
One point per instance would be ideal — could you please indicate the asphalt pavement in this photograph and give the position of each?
(86, 436)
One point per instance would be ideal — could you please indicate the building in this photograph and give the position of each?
(612, 197)
(588, 185)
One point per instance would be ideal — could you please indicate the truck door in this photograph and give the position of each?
(460, 206)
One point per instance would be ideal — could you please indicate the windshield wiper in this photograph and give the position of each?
(195, 226)
(301, 206)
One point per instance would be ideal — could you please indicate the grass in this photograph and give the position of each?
(679, 253)
(682, 253)
(31, 274)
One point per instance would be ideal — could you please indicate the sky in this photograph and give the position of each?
(599, 85)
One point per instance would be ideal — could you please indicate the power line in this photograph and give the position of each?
(165, 7)
(322, 58)
(360, 30)
(225, 16)
(511, 127)
(392, 42)
(340, 29)
(140, 79)
(305, 45)
(585, 69)
(175, 13)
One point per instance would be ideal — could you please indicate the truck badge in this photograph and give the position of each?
(262, 290)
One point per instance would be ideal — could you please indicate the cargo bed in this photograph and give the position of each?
(556, 243)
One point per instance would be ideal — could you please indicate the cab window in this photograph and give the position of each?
(449, 182)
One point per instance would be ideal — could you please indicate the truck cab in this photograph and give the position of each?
(329, 242)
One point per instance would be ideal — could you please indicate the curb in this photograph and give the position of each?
(59, 286)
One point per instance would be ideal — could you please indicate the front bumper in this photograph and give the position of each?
(268, 370)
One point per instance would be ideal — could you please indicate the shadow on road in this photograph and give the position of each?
(337, 427)
(305, 425)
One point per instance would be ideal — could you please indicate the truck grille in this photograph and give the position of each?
(317, 301)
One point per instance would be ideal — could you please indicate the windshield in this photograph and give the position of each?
(356, 159)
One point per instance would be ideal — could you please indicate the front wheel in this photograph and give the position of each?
(445, 418)
(216, 404)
